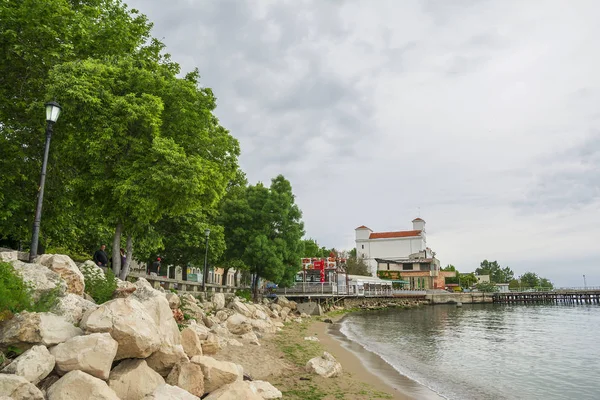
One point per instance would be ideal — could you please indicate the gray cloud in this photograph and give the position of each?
(477, 112)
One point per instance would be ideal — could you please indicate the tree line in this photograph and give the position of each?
(497, 274)
(138, 158)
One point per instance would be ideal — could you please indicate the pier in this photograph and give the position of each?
(558, 296)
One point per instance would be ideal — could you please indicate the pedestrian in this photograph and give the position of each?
(155, 268)
(123, 257)
(100, 258)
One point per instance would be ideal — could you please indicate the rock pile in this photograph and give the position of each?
(131, 347)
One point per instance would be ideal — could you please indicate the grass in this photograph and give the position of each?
(301, 385)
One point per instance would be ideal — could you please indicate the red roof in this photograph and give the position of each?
(399, 234)
(418, 219)
(363, 227)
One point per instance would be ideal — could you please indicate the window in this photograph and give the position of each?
(407, 267)
(363, 246)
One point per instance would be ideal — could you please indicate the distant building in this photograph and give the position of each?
(483, 278)
(401, 254)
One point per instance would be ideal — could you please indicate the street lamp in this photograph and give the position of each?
(584, 283)
(204, 273)
(52, 113)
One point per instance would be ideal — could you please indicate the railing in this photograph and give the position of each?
(184, 286)
(549, 289)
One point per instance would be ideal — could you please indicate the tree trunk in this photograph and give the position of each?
(128, 256)
(116, 245)
(235, 278)
(255, 286)
(224, 277)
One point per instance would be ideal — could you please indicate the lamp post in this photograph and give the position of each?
(52, 113)
(584, 283)
(205, 272)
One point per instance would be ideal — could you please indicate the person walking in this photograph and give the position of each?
(100, 258)
(155, 268)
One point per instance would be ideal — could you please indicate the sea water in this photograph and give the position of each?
(488, 351)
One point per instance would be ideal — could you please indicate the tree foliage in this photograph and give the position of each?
(495, 271)
(263, 229)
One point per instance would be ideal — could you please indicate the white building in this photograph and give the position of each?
(396, 246)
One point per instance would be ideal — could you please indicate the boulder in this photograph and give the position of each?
(193, 311)
(265, 390)
(240, 390)
(187, 375)
(187, 298)
(220, 331)
(211, 345)
(217, 373)
(211, 320)
(16, 387)
(67, 269)
(134, 379)
(325, 366)
(241, 308)
(92, 354)
(157, 306)
(173, 300)
(219, 301)
(260, 325)
(165, 358)
(168, 392)
(42, 280)
(251, 338)
(239, 324)
(192, 345)
(128, 323)
(275, 307)
(292, 305)
(79, 385)
(201, 330)
(34, 365)
(222, 315)
(90, 268)
(284, 312)
(27, 329)
(235, 343)
(260, 314)
(8, 255)
(72, 307)
(283, 301)
(310, 308)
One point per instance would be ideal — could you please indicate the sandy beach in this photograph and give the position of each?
(280, 359)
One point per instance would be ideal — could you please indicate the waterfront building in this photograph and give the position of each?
(401, 255)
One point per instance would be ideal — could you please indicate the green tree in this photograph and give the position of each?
(311, 248)
(35, 37)
(546, 283)
(357, 266)
(529, 280)
(488, 287)
(495, 271)
(263, 229)
(467, 280)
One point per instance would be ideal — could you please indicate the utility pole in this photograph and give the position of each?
(584, 282)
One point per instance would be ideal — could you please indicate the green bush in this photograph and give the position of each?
(98, 285)
(17, 295)
(244, 294)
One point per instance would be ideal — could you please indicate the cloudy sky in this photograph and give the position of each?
(481, 116)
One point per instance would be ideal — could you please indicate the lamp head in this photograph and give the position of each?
(52, 111)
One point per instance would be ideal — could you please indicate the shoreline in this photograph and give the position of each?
(369, 367)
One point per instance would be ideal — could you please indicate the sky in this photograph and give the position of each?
(480, 116)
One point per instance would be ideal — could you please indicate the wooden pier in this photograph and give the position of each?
(560, 296)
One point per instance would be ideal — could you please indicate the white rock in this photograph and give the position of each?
(128, 323)
(219, 301)
(18, 388)
(192, 344)
(188, 376)
(173, 300)
(311, 338)
(217, 373)
(266, 390)
(67, 269)
(92, 354)
(325, 366)
(239, 324)
(211, 345)
(72, 307)
(241, 308)
(78, 385)
(165, 358)
(201, 330)
(27, 329)
(9, 255)
(168, 392)
(41, 279)
(157, 306)
(134, 379)
(240, 390)
(263, 326)
(34, 365)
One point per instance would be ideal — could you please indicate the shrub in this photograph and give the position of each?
(98, 285)
(244, 293)
(17, 295)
